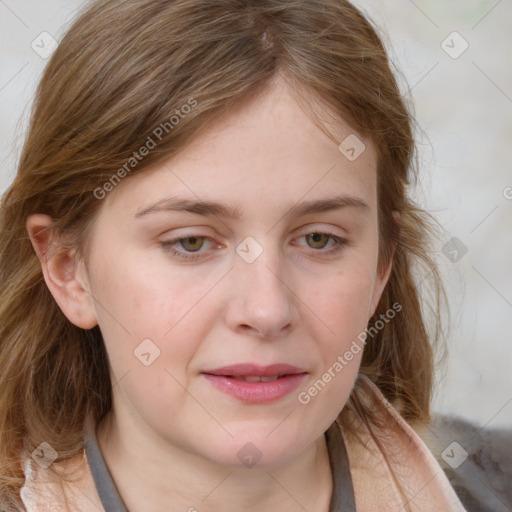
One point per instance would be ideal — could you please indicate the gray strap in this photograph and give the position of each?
(105, 486)
(343, 498)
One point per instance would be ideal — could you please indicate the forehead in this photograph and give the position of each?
(267, 152)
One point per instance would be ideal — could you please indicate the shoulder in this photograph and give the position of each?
(64, 486)
(389, 462)
(477, 461)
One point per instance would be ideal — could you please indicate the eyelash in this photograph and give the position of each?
(340, 243)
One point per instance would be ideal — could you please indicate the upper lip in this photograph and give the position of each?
(250, 369)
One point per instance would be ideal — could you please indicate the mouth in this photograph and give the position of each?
(255, 384)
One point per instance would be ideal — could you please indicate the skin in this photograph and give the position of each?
(172, 439)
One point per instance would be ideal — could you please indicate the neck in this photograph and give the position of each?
(150, 474)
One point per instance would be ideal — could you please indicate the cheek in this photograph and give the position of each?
(342, 306)
(140, 305)
(341, 297)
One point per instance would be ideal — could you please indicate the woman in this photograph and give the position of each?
(207, 269)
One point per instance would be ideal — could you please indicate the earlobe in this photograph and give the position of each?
(63, 272)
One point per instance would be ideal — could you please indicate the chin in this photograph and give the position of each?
(255, 452)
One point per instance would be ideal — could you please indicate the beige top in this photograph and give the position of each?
(409, 480)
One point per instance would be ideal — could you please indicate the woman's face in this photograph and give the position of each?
(249, 283)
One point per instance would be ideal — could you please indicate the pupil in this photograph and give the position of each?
(193, 239)
(316, 236)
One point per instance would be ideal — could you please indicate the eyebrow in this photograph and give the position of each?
(176, 204)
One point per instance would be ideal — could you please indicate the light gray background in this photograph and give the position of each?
(463, 105)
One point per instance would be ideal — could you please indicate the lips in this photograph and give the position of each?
(254, 384)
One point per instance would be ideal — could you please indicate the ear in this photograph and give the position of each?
(379, 285)
(64, 273)
(382, 279)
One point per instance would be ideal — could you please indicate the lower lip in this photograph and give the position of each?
(256, 392)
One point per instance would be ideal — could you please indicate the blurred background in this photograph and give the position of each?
(454, 62)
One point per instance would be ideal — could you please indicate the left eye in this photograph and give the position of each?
(317, 238)
(192, 245)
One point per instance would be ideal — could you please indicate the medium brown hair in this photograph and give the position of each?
(122, 70)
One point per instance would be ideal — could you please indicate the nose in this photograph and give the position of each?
(261, 302)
